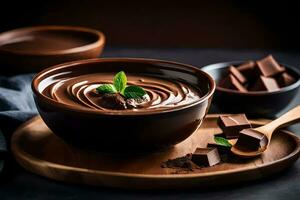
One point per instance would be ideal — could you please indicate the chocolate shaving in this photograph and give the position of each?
(113, 101)
(182, 164)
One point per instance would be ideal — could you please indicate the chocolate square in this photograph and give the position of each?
(268, 66)
(231, 125)
(247, 69)
(206, 157)
(285, 79)
(221, 149)
(240, 77)
(265, 84)
(231, 82)
(250, 139)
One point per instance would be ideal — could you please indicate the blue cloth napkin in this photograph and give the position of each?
(16, 106)
(16, 102)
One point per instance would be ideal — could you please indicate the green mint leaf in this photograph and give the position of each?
(106, 88)
(222, 141)
(134, 92)
(120, 81)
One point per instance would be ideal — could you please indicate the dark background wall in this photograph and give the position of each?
(221, 24)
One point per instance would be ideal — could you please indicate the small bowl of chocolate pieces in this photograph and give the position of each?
(258, 88)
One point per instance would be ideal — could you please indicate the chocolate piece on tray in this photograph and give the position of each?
(265, 84)
(221, 149)
(240, 77)
(251, 140)
(268, 66)
(220, 135)
(231, 125)
(285, 79)
(247, 68)
(206, 157)
(231, 82)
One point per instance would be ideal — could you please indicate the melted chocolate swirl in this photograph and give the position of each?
(81, 91)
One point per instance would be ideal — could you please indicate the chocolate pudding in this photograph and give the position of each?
(165, 103)
(80, 91)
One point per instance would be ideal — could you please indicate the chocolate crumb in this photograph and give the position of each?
(182, 164)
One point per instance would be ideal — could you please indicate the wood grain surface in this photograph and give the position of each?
(38, 150)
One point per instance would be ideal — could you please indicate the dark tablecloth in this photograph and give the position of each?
(16, 106)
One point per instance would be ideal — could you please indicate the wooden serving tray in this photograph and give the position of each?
(38, 150)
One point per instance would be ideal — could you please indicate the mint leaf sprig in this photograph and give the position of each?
(222, 141)
(120, 81)
(106, 88)
(120, 86)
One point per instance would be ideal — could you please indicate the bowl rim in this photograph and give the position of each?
(100, 41)
(35, 83)
(215, 66)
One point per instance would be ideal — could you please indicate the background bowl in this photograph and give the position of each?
(34, 48)
(256, 104)
(125, 131)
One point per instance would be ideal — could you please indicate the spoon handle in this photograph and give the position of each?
(286, 119)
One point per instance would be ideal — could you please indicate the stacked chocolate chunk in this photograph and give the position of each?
(262, 75)
(231, 126)
(250, 139)
(238, 127)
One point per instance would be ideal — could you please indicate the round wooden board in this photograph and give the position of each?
(38, 150)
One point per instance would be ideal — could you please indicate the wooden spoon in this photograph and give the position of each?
(287, 119)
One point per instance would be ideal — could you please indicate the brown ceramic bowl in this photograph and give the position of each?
(253, 103)
(34, 48)
(125, 131)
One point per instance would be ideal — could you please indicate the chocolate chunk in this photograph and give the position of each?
(231, 125)
(206, 156)
(113, 101)
(220, 135)
(221, 149)
(285, 79)
(250, 139)
(249, 65)
(240, 77)
(247, 69)
(265, 84)
(268, 66)
(231, 82)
